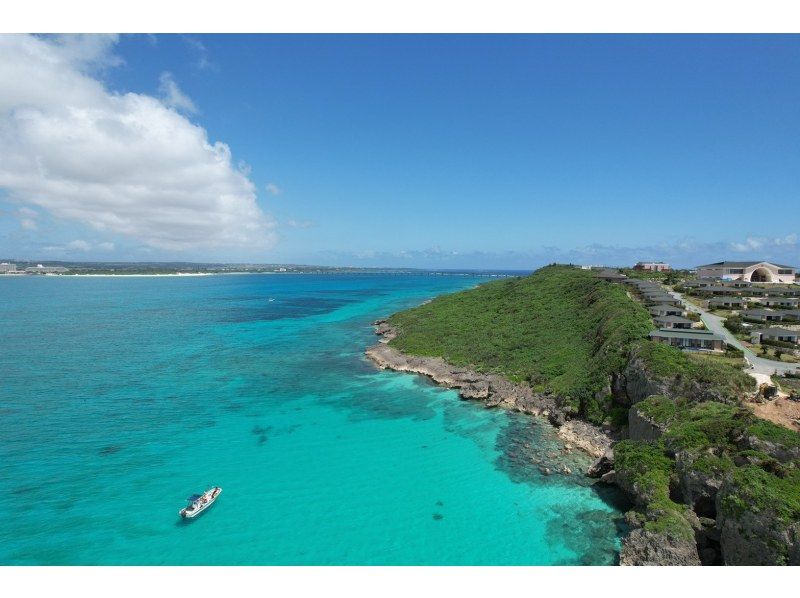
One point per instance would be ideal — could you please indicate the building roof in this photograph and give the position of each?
(741, 265)
(691, 333)
(777, 331)
(662, 299)
(673, 319)
(762, 312)
(610, 274)
(728, 298)
(664, 306)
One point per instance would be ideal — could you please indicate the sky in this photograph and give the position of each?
(400, 151)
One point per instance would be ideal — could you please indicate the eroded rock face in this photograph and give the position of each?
(756, 537)
(777, 451)
(603, 465)
(636, 383)
(699, 488)
(642, 427)
(644, 547)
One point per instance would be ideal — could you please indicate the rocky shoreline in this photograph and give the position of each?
(492, 390)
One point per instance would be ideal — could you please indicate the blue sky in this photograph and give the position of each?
(429, 151)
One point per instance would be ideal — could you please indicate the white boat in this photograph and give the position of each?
(200, 502)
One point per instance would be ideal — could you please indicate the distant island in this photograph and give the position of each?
(64, 268)
(709, 482)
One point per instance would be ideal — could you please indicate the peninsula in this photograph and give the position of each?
(709, 482)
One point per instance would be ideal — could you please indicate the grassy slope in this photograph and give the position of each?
(561, 329)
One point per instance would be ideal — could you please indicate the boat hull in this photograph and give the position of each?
(202, 505)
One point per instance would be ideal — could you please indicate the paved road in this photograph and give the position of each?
(759, 365)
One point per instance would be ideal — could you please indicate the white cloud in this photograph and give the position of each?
(202, 62)
(78, 245)
(27, 218)
(300, 223)
(754, 243)
(273, 189)
(120, 163)
(787, 240)
(105, 246)
(172, 95)
(749, 244)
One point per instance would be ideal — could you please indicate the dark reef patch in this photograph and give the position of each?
(282, 309)
(591, 535)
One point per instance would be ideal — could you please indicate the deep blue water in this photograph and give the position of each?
(119, 397)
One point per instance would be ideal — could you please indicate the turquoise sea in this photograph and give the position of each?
(120, 397)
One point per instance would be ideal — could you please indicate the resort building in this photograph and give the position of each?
(793, 291)
(693, 340)
(664, 299)
(764, 315)
(789, 302)
(610, 275)
(748, 271)
(652, 266)
(5, 268)
(775, 334)
(732, 302)
(672, 322)
(737, 284)
(666, 310)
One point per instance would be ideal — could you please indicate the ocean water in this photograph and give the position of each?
(120, 397)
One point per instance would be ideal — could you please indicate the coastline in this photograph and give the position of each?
(491, 389)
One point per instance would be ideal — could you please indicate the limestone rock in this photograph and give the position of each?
(645, 547)
(643, 427)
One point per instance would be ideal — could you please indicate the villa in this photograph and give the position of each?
(735, 302)
(775, 334)
(610, 275)
(780, 302)
(662, 299)
(666, 310)
(748, 272)
(765, 315)
(693, 340)
(672, 322)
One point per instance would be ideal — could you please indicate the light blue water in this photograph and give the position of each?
(119, 397)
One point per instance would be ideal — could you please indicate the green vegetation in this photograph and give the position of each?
(560, 329)
(648, 470)
(664, 361)
(661, 409)
(711, 434)
(757, 490)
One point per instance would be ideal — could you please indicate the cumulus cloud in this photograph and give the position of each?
(172, 95)
(757, 243)
(124, 163)
(273, 189)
